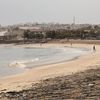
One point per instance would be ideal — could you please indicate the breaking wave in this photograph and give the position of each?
(22, 63)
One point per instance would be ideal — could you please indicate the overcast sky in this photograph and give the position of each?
(62, 11)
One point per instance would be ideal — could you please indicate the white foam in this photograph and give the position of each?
(22, 63)
(17, 64)
(28, 61)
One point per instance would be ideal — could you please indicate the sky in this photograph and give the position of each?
(57, 11)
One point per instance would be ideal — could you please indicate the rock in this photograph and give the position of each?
(90, 85)
(79, 86)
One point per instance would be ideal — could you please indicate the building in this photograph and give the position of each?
(3, 35)
(35, 30)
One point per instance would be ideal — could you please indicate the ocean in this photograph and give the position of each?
(15, 60)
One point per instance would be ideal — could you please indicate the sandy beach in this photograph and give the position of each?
(25, 80)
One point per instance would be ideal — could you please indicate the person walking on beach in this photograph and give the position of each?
(94, 49)
(71, 44)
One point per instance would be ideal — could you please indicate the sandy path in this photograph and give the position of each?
(24, 80)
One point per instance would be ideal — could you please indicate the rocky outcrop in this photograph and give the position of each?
(79, 86)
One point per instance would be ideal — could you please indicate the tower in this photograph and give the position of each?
(73, 23)
(74, 20)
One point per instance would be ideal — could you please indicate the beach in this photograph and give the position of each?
(26, 79)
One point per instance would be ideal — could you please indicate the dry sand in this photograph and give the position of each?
(24, 80)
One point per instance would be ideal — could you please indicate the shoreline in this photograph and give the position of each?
(62, 46)
(64, 49)
(24, 80)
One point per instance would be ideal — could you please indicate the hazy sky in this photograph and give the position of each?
(62, 11)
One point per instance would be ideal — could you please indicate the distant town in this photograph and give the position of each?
(45, 32)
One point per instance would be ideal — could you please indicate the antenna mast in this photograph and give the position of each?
(74, 20)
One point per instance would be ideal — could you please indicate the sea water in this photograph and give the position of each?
(15, 60)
